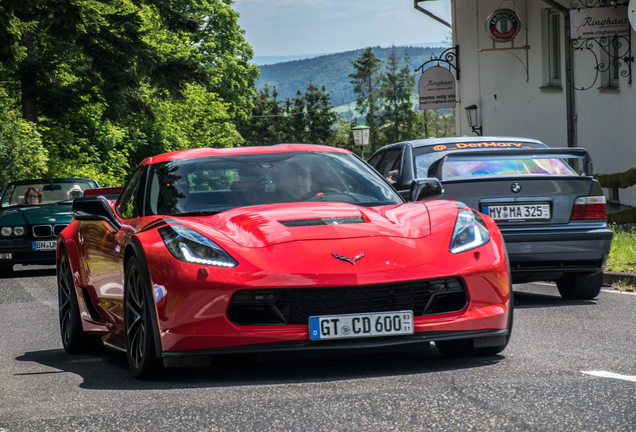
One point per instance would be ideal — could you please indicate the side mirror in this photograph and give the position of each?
(95, 208)
(425, 189)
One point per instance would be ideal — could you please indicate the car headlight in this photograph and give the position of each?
(190, 246)
(470, 232)
(6, 231)
(18, 231)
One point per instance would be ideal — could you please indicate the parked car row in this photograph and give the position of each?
(299, 247)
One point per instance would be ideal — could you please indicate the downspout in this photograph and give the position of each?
(429, 14)
(569, 91)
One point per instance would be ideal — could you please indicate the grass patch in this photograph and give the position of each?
(623, 285)
(622, 257)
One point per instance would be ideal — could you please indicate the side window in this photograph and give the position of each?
(390, 165)
(128, 206)
(375, 160)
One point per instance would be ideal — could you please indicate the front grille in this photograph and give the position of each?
(42, 231)
(57, 229)
(296, 305)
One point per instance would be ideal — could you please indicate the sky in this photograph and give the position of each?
(298, 27)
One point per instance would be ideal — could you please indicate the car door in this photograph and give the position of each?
(104, 247)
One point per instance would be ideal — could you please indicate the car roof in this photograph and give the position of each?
(473, 139)
(207, 151)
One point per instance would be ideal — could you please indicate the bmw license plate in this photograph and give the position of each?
(518, 212)
(44, 245)
(361, 325)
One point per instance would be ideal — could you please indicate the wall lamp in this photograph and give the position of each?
(471, 113)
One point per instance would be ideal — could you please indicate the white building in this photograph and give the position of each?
(522, 87)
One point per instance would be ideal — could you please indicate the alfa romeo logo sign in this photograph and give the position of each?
(503, 25)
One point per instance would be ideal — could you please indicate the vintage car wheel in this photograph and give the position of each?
(74, 339)
(466, 347)
(140, 344)
(579, 286)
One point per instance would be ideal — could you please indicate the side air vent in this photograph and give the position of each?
(322, 221)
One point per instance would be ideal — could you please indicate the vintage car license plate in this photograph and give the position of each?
(518, 211)
(361, 325)
(44, 245)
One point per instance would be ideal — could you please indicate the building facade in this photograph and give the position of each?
(559, 71)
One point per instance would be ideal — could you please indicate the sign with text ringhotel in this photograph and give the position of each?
(599, 22)
(437, 88)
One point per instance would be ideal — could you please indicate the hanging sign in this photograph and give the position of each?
(503, 25)
(437, 88)
(631, 13)
(599, 22)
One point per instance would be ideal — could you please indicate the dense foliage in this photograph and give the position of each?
(105, 83)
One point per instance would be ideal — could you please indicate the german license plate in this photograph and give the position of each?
(518, 212)
(44, 245)
(361, 325)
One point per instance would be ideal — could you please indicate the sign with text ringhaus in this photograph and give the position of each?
(599, 22)
(437, 88)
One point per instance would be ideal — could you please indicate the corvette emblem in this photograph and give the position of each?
(516, 187)
(349, 260)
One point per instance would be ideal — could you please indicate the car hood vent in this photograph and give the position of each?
(322, 221)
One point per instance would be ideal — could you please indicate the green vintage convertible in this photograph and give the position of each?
(32, 214)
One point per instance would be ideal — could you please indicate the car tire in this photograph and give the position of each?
(74, 340)
(580, 286)
(466, 347)
(140, 343)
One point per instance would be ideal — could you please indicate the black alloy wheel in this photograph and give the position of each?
(466, 347)
(140, 344)
(74, 339)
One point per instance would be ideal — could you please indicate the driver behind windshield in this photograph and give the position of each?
(293, 182)
(33, 195)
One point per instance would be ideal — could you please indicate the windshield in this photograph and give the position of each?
(38, 192)
(219, 183)
(529, 166)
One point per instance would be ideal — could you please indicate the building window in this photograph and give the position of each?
(554, 48)
(609, 79)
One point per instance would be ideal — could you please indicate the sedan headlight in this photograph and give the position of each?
(470, 232)
(16, 231)
(190, 246)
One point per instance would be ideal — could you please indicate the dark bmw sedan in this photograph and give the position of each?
(32, 214)
(550, 210)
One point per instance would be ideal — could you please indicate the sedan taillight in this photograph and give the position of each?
(590, 207)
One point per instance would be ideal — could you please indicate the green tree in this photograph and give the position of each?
(366, 85)
(61, 55)
(22, 154)
(396, 91)
(320, 117)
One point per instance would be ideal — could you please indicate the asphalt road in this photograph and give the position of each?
(570, 366)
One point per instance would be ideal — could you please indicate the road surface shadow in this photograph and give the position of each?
(108, 370)
(544, 296)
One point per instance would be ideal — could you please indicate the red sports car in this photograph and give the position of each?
(281, 248)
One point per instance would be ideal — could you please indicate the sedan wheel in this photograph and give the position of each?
(579, 286)
(74, 339)
(140, 344)
(466, 347)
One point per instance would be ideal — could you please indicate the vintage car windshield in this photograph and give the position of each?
(219, 183)
(52, 192)
(529, 166)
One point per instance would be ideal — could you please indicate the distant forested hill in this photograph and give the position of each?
(332, 70)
